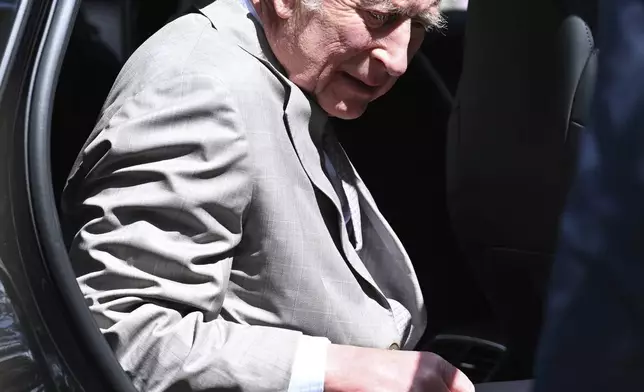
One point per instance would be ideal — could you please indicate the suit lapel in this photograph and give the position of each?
(396, 249)
(304, 119)
(301, 114)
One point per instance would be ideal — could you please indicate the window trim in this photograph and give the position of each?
(10, 49)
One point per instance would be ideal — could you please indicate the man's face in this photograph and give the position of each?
(349, 52)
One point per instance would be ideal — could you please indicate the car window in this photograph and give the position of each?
(11, 21)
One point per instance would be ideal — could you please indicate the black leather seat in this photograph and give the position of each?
(523, 97)
(89, 69)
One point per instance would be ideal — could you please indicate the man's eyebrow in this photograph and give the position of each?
(384, 5)
(430, 18)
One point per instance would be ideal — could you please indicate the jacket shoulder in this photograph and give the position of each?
(188, 45)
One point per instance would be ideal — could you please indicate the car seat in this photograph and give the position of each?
(523, 98)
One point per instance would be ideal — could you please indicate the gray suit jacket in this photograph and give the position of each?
(208, 238)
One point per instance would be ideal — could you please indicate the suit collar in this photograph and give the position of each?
(251, 8)
(305, 121)
(233, 19)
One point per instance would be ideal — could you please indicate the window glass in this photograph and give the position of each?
(9, 10)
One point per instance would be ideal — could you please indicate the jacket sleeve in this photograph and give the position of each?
(159, 195)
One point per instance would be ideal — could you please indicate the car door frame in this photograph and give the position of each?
(60, 331)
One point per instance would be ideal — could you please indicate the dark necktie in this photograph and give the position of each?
(344, 182)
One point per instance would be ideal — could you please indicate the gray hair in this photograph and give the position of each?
(311, 5)
(432, 19)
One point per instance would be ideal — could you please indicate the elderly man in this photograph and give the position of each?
(223, 240)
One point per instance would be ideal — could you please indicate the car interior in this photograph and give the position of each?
(470, 156)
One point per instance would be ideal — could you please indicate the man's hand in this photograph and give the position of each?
(357, 369)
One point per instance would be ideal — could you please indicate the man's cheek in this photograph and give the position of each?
(356, 40)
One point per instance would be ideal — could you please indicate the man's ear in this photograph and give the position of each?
(285, 8)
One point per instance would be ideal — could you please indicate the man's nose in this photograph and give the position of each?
(393, 52)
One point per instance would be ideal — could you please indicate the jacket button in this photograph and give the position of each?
(394, 346)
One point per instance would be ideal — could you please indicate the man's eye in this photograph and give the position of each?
(378, 19)
(419, 24)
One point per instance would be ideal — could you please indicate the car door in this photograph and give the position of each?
(48, 339)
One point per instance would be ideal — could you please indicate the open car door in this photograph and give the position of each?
(48, 339)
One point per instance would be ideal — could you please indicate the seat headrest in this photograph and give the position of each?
(587, 10)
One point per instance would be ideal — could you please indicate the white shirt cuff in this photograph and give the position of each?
(309, 365)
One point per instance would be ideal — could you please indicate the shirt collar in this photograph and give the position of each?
(251, 8)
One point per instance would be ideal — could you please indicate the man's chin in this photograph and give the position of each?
(345, 110)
